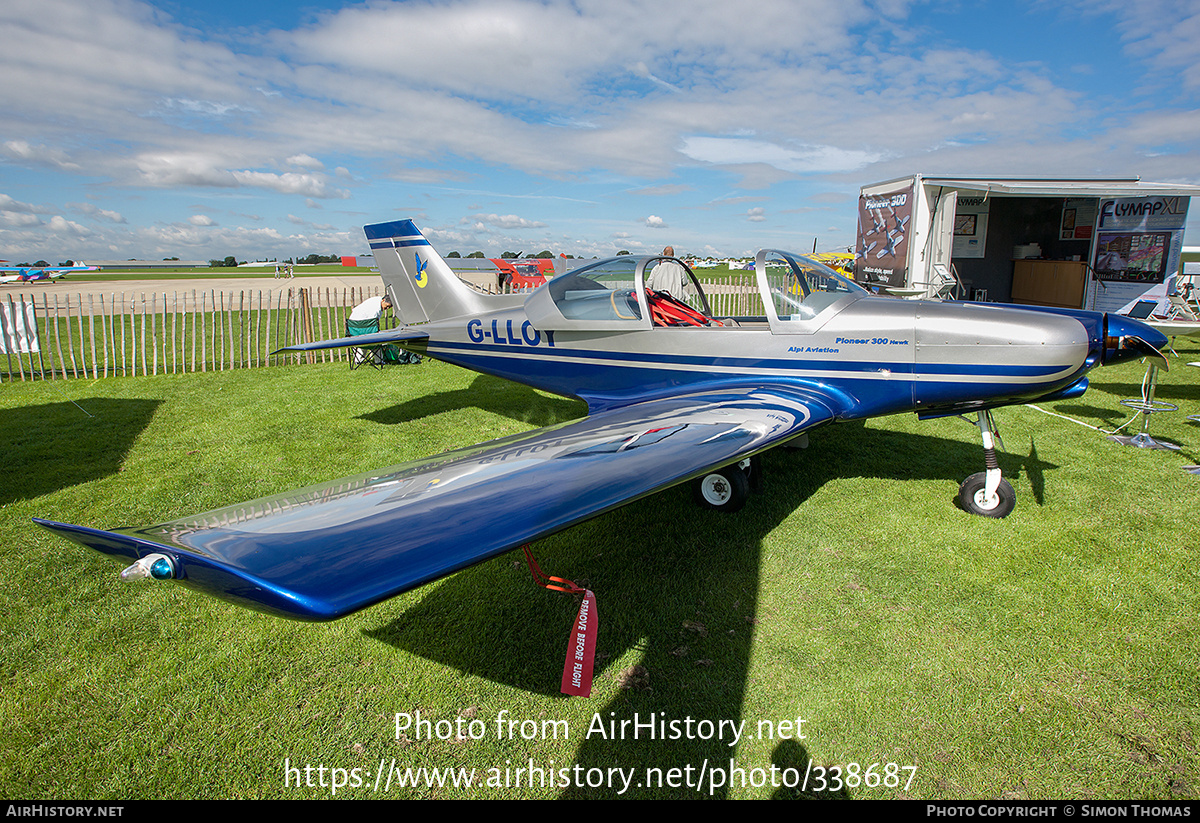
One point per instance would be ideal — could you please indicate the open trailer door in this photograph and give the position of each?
(940, 281)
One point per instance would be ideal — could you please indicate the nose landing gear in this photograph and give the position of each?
(986, 493)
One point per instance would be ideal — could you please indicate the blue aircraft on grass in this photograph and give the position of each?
(675, 394)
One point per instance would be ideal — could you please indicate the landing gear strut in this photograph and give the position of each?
(987, 493)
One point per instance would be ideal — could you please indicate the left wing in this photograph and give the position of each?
(325, 551)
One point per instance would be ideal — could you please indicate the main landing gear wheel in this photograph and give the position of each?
(725, 490)
(972, 496)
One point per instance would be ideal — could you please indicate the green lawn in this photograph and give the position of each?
(1051, 654)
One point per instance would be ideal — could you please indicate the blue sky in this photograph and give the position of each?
(192, 129)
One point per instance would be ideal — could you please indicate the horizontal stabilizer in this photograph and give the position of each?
(326, 551)
(380, 338)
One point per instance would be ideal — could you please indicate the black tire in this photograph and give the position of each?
(970, 497)
(725, 490)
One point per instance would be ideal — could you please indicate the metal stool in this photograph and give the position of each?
(1146, 406)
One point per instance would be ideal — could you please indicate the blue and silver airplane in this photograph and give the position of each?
(675, 394)
(28, 274)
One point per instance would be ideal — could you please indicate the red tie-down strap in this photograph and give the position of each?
(581, 647)
(667, 310)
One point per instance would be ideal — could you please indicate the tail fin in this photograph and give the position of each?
(421, 285)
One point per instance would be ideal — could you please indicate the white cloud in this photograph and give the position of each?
(305, 161)
(59, 223)
(310, 185)
(8, 204)
(640, 69)
(17, 219)
(176, 169)
(797, 159)
(508, 221)
(40, 154)
(1170, 46)
(656, 222)
(98, 213)
(210, 108)
(196, 169)
(201, 220)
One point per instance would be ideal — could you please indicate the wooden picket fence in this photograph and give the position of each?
(733, 295)
(147, 333)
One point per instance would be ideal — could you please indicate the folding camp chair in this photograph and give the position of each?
(364, 355)
(379, 355)
(1179, 308)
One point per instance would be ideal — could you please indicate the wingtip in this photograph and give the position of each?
(102, 541)
(201, 573)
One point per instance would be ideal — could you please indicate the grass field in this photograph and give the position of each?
(928, 653)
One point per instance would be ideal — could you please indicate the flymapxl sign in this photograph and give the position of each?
(1144, 213)
(1136, 253)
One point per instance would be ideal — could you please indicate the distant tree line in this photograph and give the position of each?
(231, 262)
(508, 255)
(313, 259)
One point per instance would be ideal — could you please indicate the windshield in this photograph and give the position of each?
(601, 291)
(802, 288)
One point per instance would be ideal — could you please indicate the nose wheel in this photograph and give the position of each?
(986, 493)
(973, 496)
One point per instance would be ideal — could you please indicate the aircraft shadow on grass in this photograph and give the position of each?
(675, 585)
(492, 394)
(58, 445)
(1093, 415)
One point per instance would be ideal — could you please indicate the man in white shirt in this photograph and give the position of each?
(670, 277)
(371, 308)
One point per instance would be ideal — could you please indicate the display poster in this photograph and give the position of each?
(1136, 250)
(970, 226)
(881, 256)
(1078, 218)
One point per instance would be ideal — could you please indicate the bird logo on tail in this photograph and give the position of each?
(421, 277)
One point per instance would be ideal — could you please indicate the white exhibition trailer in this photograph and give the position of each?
(1094, 244)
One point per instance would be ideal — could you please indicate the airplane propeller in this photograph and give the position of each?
(1138, 347)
